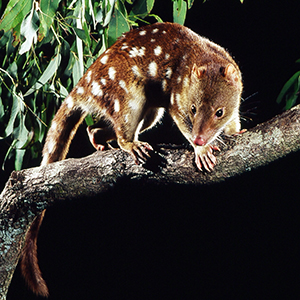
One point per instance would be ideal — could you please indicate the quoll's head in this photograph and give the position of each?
(215, 99)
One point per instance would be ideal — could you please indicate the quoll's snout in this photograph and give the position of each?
(200, 141)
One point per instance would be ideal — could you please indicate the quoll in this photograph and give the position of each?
(158, 67)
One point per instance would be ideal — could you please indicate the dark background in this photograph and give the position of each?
(235, 240)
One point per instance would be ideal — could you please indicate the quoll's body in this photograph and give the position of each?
(148, 70)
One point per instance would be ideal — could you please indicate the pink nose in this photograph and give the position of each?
(199, 141)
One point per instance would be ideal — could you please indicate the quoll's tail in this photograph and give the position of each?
(59, 137)
(29, 262)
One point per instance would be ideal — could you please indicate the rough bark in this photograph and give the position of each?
(28, 192)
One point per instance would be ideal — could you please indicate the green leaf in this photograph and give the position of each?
(108, 9)
(89, 120)
(28, 30)
(80, 33)
(14, 13)
(48, 73)
(63, 91)
(142, 8)
(10, 149)
(179, 11)
(1, 108)
(20, 133)
(158, 19)
(19, 158)
(13, 114)
(76, 71)
(293, 80)
(48, 10)
(190, 3)
(117, 26)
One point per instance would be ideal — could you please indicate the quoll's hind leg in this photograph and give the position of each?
(99, 134)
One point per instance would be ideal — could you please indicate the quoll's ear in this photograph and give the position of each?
(231, 74)
(198, 72)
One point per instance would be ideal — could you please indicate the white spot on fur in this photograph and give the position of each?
(117, 105)
(177, 97)
(179, 79)
(186, 81)
(143, 32)
(164, 32)
(137, 52)
(136, 71)
(167, 56)
(168, 73)
(96, 89)
(89, 76)
(123, 85)
(164, 85)
(155, 30)
(53, 126)
(157, 50)
(69, 101)
(80, 90)
(104, 59)
(152, 68)
(124, 46)
(152, 40)
(51, 146)
(103, 81)
(111, 73)
(126, 118)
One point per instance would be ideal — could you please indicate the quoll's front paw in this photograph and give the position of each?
(204, 157)
(139, 151)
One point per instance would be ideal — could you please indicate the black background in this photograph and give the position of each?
(235, 240)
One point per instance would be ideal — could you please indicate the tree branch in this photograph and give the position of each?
(28, 192)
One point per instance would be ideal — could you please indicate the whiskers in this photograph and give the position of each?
(220, 140)
(248, 109)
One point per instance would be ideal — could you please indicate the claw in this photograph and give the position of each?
(204, 157)
(139, 151)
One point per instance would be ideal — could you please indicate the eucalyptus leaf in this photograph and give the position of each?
(14, 13)
(48, 73)
(19, 158)
(294, 79)
(48, 10)
(190, 3)
(13, 114)
(28, 30)
(20, 133)
(108, 8)
(117, 26)
(179, 11)
(141, 8)
(76, 71)
(80, 33)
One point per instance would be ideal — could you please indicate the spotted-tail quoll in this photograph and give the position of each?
(148, 70)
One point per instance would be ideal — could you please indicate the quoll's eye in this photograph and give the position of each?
(219, 113)
(193, 108)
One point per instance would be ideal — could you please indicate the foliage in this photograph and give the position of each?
(290, 91)
(46, 46)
